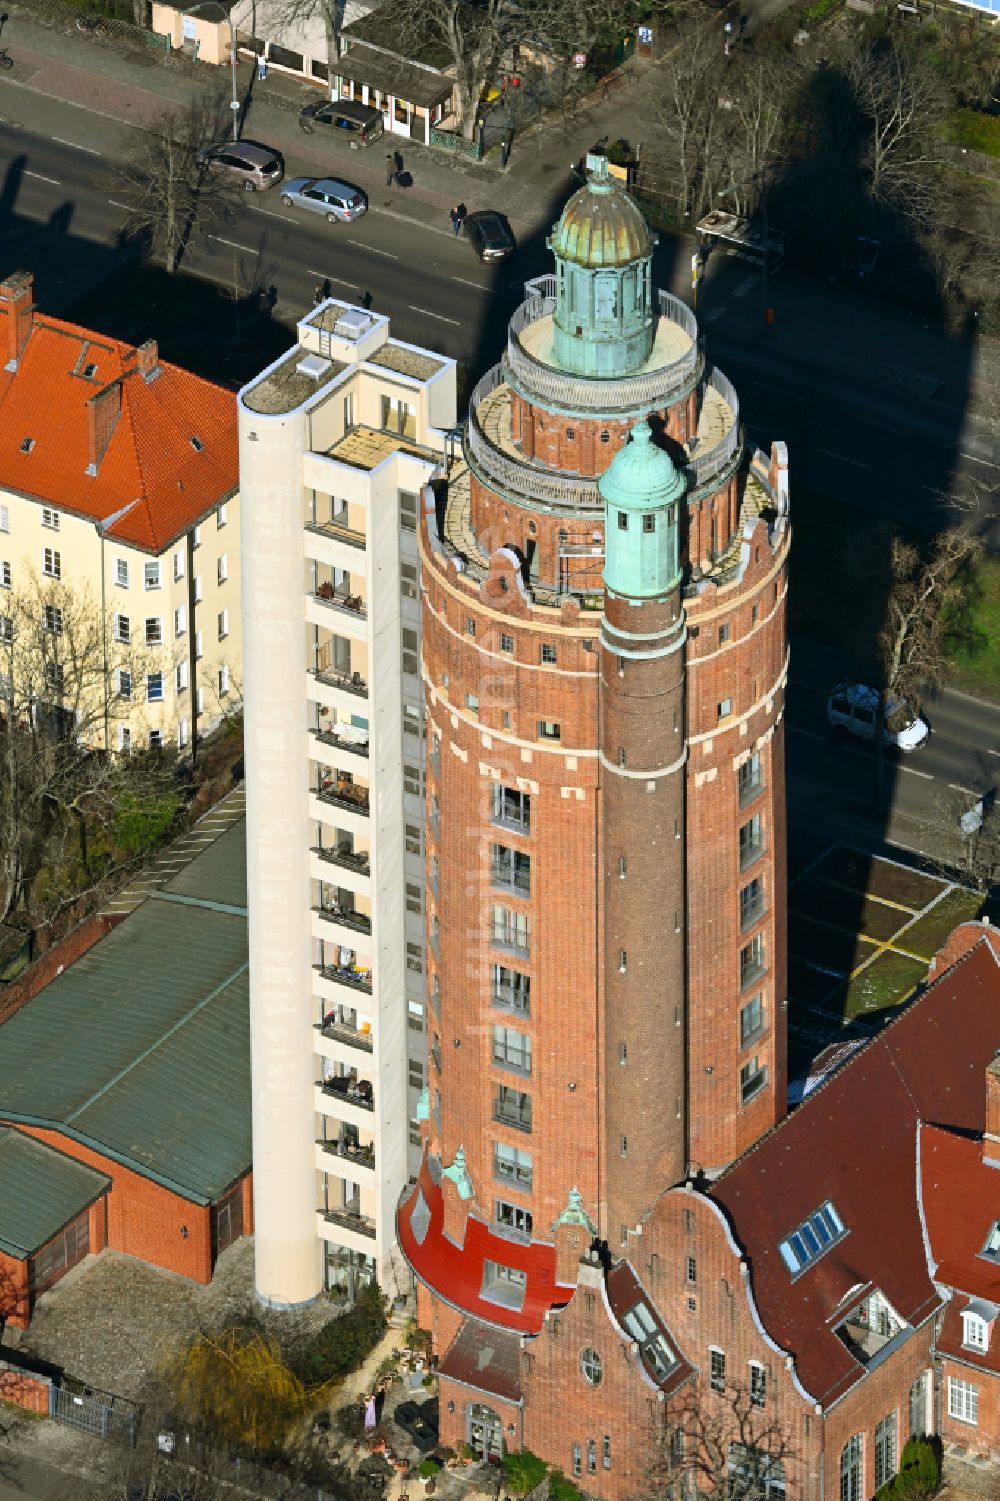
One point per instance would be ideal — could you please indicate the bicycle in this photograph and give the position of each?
(6, 61)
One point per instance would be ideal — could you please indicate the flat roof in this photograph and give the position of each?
(41, 1191)
(284, 387)
(366, 447)
(421, 86)
(141, 1049)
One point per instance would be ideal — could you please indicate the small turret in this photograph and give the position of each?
(641, 490)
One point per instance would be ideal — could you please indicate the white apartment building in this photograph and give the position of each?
(339, 440)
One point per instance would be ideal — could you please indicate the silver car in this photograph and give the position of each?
(325, 195)
(255, 165)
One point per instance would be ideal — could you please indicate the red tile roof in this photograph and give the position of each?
(949, 1340)
(487, 1359)
(854, 1142)
(961, 1201)
(455, 1272)
(151, 466)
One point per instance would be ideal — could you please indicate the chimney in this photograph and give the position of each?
(15, 294)
(991, 1138)
(103, 411)
(147, 359)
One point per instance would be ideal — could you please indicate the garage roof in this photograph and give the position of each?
(41, 1191)
(141, 1049)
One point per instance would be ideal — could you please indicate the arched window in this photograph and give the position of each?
(592, 1366)
(850, 1469)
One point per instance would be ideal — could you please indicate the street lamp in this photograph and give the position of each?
(234, 104)
(729, 29)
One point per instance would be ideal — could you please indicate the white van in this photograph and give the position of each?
(853, 708)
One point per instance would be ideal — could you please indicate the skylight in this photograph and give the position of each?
(991, 1249)
(27, 444)
(653, 1347)
(197, 445)
(812, 1239)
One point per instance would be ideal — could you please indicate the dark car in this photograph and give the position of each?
(360, 124)
(489, 235)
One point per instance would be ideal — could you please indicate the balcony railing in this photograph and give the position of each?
(354, 979)
(350, 1152)
(347, 795)
(347, 682)
(359, 1094)
(351, 743)
(339, 530)
(751, 970)
(751, 911)
(350, 604)
(351, 1219)
(517, 880)
(750, 852)
(346, 917)
(510, 998)
(345, 857)
(511, 1115)
(751, 789)
(338, 1031)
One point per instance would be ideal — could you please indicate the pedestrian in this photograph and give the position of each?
(462, 213)
(390, 171)
(397, 158)
(456, 223)
(261, 67)
(366, 301)
(317, 296)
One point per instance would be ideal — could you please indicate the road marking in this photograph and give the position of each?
(843, 458)
(42, 178)
(744, 286)
(969, 791)
(987, 463)
(477, 285)
(373, 248)
(992, 752)
(809, 734)
(75, 145)
(270, 214)
(716, 312)
(115, 204)
(232, 245)
(426, 313)
(913, 772)
(883, 427)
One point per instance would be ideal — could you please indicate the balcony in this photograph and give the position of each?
(357, 1092)
(343, 855)
(350, 1151)
(351, 1219)
(344, 794)
(343, 974)
(348, 604)
(347, 917)
(337, 1030)
(356, 741)
(339, 531)
(347, 682)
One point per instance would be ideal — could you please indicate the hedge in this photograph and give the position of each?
(346, 1342)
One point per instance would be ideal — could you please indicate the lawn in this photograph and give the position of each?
(975, 648)
(905, 887)
(930, 931)
(882, 986)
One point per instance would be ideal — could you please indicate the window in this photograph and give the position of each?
(812, 1238)
(151, 575)
(199, 700)
(511, 989)
(123, 629)
(415, 963)
(717, 1370)
(411, 652)
(222, 569)
(723, 634)
(223, 624)
(751, 902)
(124, 738)
(751, 1020)
(512, 1049)
(754, 1474)
(643, 1328)
(975, 1331)
(758, 1384)
(5, 575)
(506, 643)
(548, 653)
(180, 620)
(918, 1405)
(753, 1077)
(512, 1218)
(197, 589)
(413, 900)
(577, 1460)
(155, 739)
(511, 868)
(751, 841)
(623, 521)
(511, 930)
(750, 779)
(511, 1164)
(182, 733)
(503, 1284)
(549, 730)
(196, 536)
(180, 562)
(154, 687)
(512, 1107)
(411, 719)
(4, 518)
(181, 677)
(470, 626)
(154, 630)
(412, 839)
(606, 1452)
(55, 1259)
(408, 580)
(885, 1450)
(55, 678)
(52, 617)
(221, 516)
(407, 510)
(51, 563)
(511, 808)
(963, 1400)
(725, 708)
(851, 1469)
(123, 683)
(472, 703)
(411, 780)
(691, 1270)
(752, 963)
(199, 645)
(591, 1457)
(991, 1248)
(50, 518)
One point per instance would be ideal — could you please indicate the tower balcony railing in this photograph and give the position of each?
(704, 463)
(337, 1030)
(345, 856)
(520, 476)
(351, 1219)
(342, 793)
(339, 531)
(360, 1156)
(358, 1092)
(351, 975)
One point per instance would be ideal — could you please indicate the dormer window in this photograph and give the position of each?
(991, 1249)
(977, 1324)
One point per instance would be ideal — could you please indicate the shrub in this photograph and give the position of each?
(523, 1470)
(561, 1489)
(976, 131)
(919, 1473)
(345, 1342)
(819, 10)
(467, 1451)
(428, 1467)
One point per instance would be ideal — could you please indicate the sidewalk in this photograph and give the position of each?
(816, 327)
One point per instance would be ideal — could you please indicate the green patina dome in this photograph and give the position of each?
(641, 477)
(600, 225)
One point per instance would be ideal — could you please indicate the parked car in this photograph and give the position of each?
(361, 123)
(489, 235)
(325, 195)
(853, 708)
(257, 166)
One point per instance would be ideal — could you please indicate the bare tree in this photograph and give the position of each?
(902, 99)
(295, 14)
(171, 192)
(736, 1452)
(924, 588)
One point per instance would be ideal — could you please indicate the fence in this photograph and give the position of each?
(457, 145)
(100, 1413)
(976, 162)
(63, 15)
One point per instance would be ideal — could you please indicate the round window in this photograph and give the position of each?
(590, 1365)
